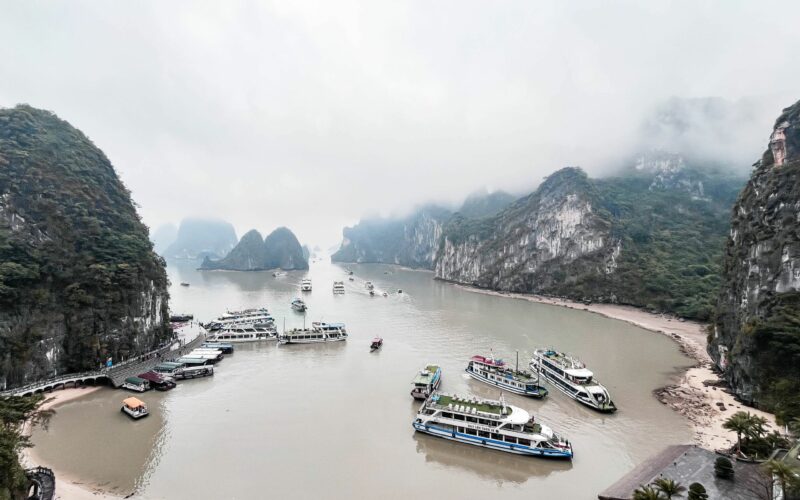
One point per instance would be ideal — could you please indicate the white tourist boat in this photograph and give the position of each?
(299, 304)
(338, 287)
(490, 424)
(318, 333)
(569, 375)
(260, 316)
(495, 372)
(245, 333)
(305, 285)
(426, 381)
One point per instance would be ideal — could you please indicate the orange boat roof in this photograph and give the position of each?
(133, 402)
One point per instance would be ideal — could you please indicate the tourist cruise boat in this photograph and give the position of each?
(299, 304)
(231, 319)
(245, 333)
(319, 332)
(305, 285)
(134, 408)
(338, 287)
(426, 381)
(490, 424)
(495, 372)
(569, 375)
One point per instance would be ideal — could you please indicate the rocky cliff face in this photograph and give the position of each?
(412, 242)
(200, 238)
(79, 281)
(756, 338)
(279, 250)
(533, 243)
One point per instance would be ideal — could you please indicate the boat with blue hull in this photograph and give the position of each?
(495, 372)
(489, 424)
(426, 381)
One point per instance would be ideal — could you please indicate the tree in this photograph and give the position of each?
(723, 468)
(785, 475)
(647, 493)
(740, 423)
(14, 411)
(697, 492)
(669, 487)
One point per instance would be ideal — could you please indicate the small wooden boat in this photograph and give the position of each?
(376, 344)
(134, 408)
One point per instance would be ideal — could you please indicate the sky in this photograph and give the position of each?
(311, 115)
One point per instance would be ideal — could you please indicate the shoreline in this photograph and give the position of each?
(699, 394)
(67, 488)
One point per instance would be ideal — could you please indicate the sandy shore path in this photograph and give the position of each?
(66, 487)
(700, 394)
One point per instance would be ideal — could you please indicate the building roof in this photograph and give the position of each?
(685, 464)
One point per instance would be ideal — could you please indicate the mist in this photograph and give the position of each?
(312, 114)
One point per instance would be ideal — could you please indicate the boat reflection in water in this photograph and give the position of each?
(486, 463)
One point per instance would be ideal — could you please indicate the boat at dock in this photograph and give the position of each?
(376, 344)
(158, 381)
(194, 372)
(136, 384)
(490, 424)
(134, 408)
(260, 316)
(426, 381)
(495, 372)
(224, 347)
(338, 287)
(299, 305)
(319, 332)
(305, 285)
(245, 333)
(570, 376)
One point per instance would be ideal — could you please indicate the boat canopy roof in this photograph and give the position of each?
(151, 376)
(192, 361)
(135, 380)
(169, 365)
(426, 375)
(133, 403)
(488, 361)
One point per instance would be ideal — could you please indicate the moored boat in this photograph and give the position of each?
(194, 372)
(136, 384)
(426, 381)
(495, 372)
(570, 376)
(318, 333)
(490, 424)
(305, 285)
(376, 344)
(245, 333)
(259, 316)
(299, 305)
(134, 408)
(222, 346)
(338, 287)
(158, 381)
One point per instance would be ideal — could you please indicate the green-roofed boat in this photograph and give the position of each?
(426, 381)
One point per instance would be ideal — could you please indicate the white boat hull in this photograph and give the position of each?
(505, 387)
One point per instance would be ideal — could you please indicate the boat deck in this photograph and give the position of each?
(442, 401)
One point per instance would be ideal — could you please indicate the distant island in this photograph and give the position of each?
(195, 238)
(279, 250)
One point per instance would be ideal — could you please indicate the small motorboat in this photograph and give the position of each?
(278, 274)
(299, 305)
(376, 344)
(369, 285)
(351, 278)
(349, 272)
(385, 294)
(399, 290)
(134, 408)
(183, 283)
(372, 293)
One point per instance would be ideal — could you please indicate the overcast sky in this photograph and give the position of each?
(312, 114)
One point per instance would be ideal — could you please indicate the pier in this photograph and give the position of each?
(189, 337)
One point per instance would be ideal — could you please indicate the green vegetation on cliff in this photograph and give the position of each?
(279, 250)
(79, 281)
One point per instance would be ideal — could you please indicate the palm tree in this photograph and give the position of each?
(669, 487)
(740, 423)
(647, 493)
(786, 475)
(757, 426)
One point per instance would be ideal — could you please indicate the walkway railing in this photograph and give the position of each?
(116, 374)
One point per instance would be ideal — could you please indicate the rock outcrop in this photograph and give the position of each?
(79, 281)
(756, 337)
(279, 250)
(199, 238)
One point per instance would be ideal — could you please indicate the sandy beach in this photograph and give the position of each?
(66, 488)
(700, 394)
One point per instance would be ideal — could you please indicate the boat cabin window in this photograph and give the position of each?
(472, 432)
(525, 442)
(510, 439)
(484, 434)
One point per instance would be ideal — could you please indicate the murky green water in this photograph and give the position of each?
(334, 421)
